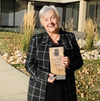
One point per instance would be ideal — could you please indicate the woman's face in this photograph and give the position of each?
(50, 21)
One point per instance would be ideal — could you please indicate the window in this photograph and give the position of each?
(98, 14)
(12, 12)
(91, 10)
(7, 12)
(20, 9)
(69, 9)
(72, 11)
(60, 10)
(75, 15)
(94, 11)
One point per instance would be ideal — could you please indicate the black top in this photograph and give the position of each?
(55, 91)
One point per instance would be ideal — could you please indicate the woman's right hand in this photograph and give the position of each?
(49, 79)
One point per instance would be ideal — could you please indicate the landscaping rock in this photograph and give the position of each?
(12, 58)
(15, 58)
(19, 58)
(97, 45)
(81, 43)
(5, 56)
(17, 52)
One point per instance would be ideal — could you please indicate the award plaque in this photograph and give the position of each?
(56, 67)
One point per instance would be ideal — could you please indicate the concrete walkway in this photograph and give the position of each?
(13, 83)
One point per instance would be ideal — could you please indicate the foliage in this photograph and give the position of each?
(28, 28)
(10, 41)
(11, 29)
(90, 29)
(69, 25)
(88, 82)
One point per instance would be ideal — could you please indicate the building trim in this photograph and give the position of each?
(0, 12)
(82, 15)
(55, 1)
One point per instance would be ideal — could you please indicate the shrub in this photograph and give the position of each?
(69, 25)
(28, 28)
(90, 29)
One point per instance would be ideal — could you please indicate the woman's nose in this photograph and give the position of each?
(50, 21)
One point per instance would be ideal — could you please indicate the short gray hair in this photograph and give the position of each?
(45, 9)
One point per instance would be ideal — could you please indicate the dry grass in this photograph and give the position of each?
(69, 25)
(10, 42)
(90, 31)
(89, 27)
(28, 28)
(88, 81)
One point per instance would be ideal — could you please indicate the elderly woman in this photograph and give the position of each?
(41, 86)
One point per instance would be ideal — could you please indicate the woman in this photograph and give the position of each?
(41, 86)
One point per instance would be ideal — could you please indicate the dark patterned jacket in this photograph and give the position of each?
(38, 63)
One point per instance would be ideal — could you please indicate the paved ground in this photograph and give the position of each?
(13, 83)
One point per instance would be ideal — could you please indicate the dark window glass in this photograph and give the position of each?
(12, 12)
(69, 9)
(76, 15)
(91, 11)
(94, 11)
(7, 12)
(20, 9)
(72, 11)
(98, 14)
(60, 9)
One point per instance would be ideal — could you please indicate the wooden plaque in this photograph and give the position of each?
(56, 54)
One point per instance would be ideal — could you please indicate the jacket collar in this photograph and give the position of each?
(63, 35)
(45, 37)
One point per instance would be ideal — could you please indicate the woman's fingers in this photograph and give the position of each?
(50, 74)
(65, 62)
(49, 78)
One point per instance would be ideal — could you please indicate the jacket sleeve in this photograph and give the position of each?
(76, 61)
(31, 64)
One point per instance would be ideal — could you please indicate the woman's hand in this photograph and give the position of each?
(49, 79)
(65, 62)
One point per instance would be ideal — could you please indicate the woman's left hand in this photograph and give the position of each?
(65, 61)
